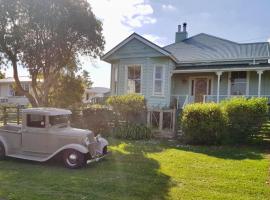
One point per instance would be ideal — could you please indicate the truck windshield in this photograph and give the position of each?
(59, 120)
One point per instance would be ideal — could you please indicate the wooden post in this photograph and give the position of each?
(174, 120)
(259, 72)
(149, 118)
(4, 115)
(219, 73)
(18, 115)
(160, 120)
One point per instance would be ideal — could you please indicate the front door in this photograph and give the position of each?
(200, 88)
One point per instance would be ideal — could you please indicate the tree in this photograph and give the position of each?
(86, 79)
(47, 37)
(68, 91)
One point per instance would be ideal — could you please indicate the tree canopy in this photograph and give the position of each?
(47, 37)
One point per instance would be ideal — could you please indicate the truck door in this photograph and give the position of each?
(34, 136)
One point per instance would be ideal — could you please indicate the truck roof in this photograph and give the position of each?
(47, 111)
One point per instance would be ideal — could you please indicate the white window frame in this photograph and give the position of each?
(162, 79)
(230, 82)
(126, 79)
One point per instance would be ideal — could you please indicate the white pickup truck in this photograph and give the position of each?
(45, 133)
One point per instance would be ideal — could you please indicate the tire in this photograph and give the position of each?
(73, 159)
(2, 151)
(105, 150)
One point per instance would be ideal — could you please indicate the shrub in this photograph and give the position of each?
(98, 119)
(131, 107)
(132, 131)
(203, 123)
(245, 118)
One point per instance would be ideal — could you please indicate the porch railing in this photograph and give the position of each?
(213, 98)
(182, 100)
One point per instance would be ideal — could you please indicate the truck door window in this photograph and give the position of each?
(37, 121)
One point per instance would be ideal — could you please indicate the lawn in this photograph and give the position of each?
(145, 170)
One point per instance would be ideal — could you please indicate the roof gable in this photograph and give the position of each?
(135, 46)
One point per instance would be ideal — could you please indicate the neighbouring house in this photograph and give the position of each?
(96, 94)
(201, 68)
(8, 94)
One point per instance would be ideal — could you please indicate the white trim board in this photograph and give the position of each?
(220, 70)
(141, 39)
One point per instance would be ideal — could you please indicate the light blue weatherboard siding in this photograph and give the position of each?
(147, 65)
(134, 48)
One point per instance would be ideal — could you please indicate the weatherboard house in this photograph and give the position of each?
(201, 68)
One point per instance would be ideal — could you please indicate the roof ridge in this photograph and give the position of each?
(213, 36)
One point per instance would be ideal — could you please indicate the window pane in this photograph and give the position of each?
(131, 86)
(158, 74)
(137, 72)
(238, 89)
(37, 121)
(134, 79)
(238, 83)
(158, 86)
(137, 86)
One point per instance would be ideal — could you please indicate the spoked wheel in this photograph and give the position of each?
(74, 159)
(2, 151)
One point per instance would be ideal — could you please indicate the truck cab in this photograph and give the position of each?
(45, 133)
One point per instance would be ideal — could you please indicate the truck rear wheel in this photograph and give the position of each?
(2, 151)
(73, 159)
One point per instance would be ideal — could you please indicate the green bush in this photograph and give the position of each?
(131, 107)
(203, 123)
(245, 118)
(132, 131)
(98, 119)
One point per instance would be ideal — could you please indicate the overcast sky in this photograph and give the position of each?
(157, 20)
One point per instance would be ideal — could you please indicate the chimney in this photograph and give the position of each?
(181, 35)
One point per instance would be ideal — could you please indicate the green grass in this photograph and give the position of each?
(145, 170)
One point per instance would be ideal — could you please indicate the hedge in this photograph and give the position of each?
(235, 121)
(203, 123)
(245, 118)
(132, 131)
(131, 107)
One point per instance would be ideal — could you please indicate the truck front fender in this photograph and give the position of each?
(76, 147)
(2, 140)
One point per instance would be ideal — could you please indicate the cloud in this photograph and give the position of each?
(161, 41)
(268, 40)
(168, 7)
(120, 18)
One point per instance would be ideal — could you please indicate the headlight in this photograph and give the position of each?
(86, 141)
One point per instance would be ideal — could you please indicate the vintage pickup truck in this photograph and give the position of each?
(45, 133)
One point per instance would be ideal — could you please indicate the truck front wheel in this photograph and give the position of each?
(2, 151)
(73, 159)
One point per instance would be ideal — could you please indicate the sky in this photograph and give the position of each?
(157, 20)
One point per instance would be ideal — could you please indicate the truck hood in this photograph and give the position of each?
(69, 131)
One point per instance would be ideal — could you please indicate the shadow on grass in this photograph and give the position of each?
(253, 151)
(126, 174)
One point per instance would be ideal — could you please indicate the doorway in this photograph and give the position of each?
(200, 86)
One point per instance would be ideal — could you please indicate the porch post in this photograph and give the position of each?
(219, 73)
(259, 72)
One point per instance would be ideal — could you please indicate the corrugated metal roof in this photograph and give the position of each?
(204, 47)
